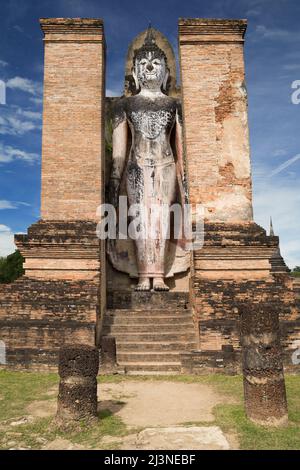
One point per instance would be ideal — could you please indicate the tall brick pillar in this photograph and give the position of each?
(237, 260)
(215, 117)
(72, 152)
(62, 295)
(72, 162)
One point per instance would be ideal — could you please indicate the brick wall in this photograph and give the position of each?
(62, 296)
(73, 141)
(215, 117)
(240, 265)
(38, 317)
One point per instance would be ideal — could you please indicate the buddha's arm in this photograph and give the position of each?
(179, 154)
(119, 142)
(179, 142)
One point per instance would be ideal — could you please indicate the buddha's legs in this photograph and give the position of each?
(153, 188)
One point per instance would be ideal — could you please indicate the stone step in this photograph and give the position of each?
(151, 312)
(148, 356)
(184, 327)
(151, 330)
(149, 337)
(132, 299)
(162, 368)
(156, 346)
(147, 319)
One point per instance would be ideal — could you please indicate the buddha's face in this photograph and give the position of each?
(150, 71)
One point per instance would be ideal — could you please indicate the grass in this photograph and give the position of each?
(18, 390)
(29, 435)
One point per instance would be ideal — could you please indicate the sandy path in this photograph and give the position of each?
(153, 403)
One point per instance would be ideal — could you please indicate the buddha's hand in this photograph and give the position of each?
(113, 192)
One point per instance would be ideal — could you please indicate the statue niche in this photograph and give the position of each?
(148, 167)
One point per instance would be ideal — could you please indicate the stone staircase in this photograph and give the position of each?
(151, 330)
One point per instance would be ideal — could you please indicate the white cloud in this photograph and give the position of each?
(7, 205)
(3, 63)
(280, 153)
(277, 33)
(285, 165)
(18, 28)
(15, 120)
(37, 101)
(291, 67)
(4, 228)
(24, 84)
(12, 125)
(113, 93)
(7, 245)
(19, 203)
(4, 204)
(253, 13)
(8, 154)
(29, 114)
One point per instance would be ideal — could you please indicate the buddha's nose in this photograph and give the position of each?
(150, 67)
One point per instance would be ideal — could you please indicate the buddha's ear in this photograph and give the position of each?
(165, 82)
(133, 71)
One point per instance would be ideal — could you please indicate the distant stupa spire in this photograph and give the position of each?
(271, 228)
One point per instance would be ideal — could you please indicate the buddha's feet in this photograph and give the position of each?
(159, 285)
(143, 285)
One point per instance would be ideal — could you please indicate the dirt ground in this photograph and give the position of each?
(158, 415)
(180, 412)
(153, 403)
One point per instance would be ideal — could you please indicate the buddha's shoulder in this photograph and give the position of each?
(144, 102)
(119, 105)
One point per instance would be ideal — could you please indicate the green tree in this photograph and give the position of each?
(11, 267)
(296, 271)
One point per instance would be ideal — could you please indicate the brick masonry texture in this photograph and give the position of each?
(38, 316)
(61, 250)
(239, 265)
(238, 262)
(73, 124)
(62, 297)
(215, 117)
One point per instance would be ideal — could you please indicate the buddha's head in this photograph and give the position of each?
(150, 69)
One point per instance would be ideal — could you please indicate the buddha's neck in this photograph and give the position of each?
(152, 94)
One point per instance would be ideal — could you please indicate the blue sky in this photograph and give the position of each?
(272, 55)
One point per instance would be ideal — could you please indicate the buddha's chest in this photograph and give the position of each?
(151, 121)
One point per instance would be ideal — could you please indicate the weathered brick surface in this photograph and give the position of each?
(61, 250)
(62, 295)
(73, 138)
(61, 299)
(215, 117)
(38, 317)
(245, 273)
(238, 263)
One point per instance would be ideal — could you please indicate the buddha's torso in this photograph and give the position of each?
(151, 122)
